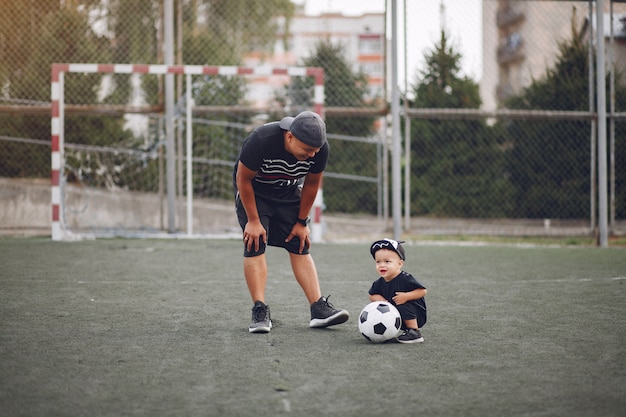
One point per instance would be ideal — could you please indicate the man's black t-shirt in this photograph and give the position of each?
(279, 174)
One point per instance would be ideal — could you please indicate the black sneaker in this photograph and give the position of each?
(261, 322)
(410, 336)
(323, 314)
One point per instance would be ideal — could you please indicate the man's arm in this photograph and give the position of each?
(312, 183)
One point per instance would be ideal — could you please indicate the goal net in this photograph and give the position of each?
(110, 144)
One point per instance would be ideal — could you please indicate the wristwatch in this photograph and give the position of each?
(304, 222)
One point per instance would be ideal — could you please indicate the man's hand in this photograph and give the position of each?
(302, 232)
(253, 234)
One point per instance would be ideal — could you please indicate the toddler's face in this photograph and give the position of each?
(388, 263)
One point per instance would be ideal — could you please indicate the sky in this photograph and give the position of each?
(462, 22)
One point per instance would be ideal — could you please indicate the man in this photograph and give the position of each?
(277, 176)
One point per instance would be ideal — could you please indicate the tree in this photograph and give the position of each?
(64, 36)
(549, 160)
(343, 88)
(457, 166)
(229, 32)
(119, 31)
(19, 33)
(248, 25)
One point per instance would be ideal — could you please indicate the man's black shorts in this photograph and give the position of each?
(278, 220)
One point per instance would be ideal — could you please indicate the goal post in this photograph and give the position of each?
(61, 230)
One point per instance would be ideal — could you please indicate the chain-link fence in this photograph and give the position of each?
(508, 133)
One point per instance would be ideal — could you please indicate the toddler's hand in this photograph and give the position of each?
(400, 298)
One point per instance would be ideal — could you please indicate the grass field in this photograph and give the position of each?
(159, 328)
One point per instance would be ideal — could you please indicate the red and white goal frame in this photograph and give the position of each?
(59, 230)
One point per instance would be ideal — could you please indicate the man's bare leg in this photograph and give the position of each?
(255, 271)
(306, 274)
(323, 314)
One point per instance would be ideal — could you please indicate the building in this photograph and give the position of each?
(615, 48)
(362, 37)
(520, 41)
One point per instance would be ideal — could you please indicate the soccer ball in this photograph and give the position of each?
(379, 321)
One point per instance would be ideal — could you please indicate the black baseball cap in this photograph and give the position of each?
(390, 244)
(308, 127)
